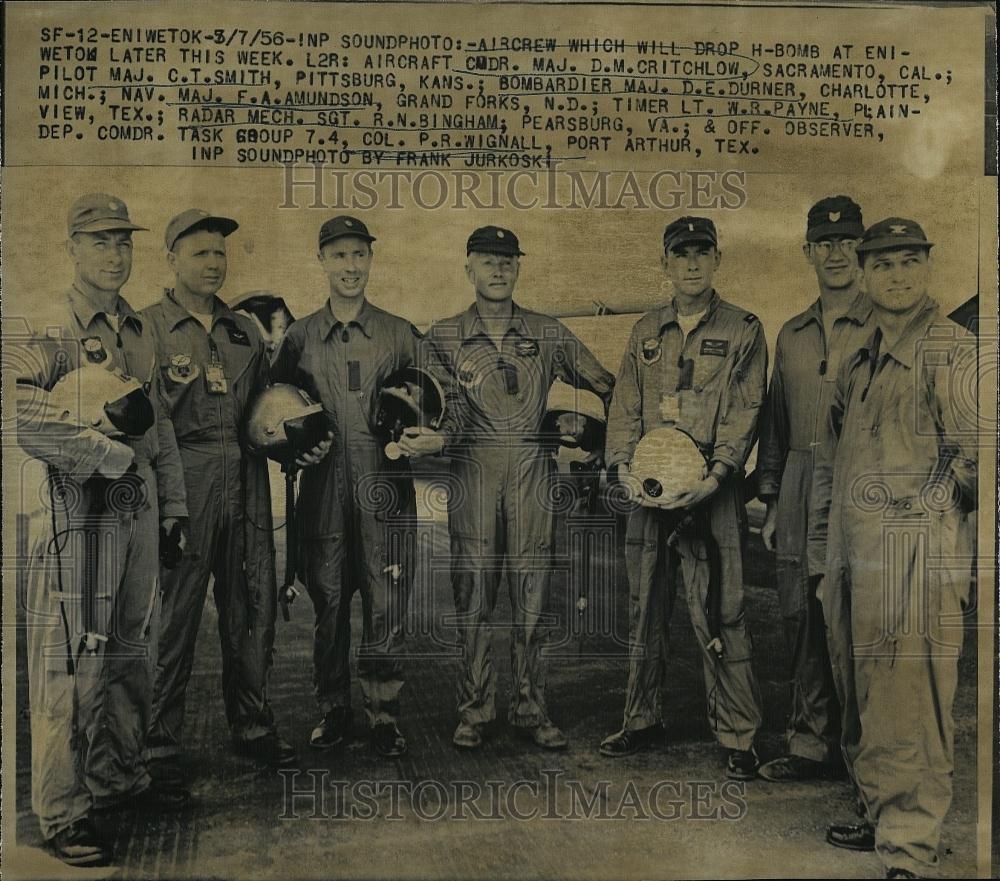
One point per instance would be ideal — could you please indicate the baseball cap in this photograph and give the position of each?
(494, 240)
(689, 229)
(341, 226)
(97, 212)
(835, 215)
(894, 232)
(194, 219)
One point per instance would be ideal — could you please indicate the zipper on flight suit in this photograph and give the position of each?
(823, 367)
(217, 362)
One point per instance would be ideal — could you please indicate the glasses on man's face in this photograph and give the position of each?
(825, 248)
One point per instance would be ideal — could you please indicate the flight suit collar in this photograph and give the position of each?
(903, 350)
(668, 313)
(472, 323)
(85, 309)
(176, 313)
(364, 319)
(858, 312)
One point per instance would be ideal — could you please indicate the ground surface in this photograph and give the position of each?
(242, 824)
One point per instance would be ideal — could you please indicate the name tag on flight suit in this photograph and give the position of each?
(715, 347)
(670, 407)
(215, 380)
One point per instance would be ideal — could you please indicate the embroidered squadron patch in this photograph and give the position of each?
(181, 369)
(94, 349)
(651, 350)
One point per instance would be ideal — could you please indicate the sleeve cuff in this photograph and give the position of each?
(768, 486)
(116, 460)
(174, 510)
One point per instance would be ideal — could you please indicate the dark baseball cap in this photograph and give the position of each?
(834, 216)
(194, 219)
(894, 232)
(342, 226)
(494, 240)
(98, 212)
(689, 229)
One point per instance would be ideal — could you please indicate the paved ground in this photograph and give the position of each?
(242, 824)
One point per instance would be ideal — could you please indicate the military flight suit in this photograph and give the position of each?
(890, 526)
(209, 382)
(794, 424)
(501, 514)
(89, 711)
(356, 509)
(718, 375)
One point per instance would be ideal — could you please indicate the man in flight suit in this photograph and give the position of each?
(890, 527)
(807, 359)
(700, 364)
(213, 363)
(357, 509)
(501, 360)
(90, 703)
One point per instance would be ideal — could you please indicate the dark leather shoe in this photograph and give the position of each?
(78, 845)
(900, 873)
(789, 769)
(333, 730)
(742, 764)
(629, 741)
(165, 772)
(165, 797)
(271, 750)
(159, 797)
(388, 740)
(852, 836)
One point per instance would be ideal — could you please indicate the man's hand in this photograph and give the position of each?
(630, 483)
(173, 541)
(417, 442)
(695, 495)
(317, 454)
(769, 530)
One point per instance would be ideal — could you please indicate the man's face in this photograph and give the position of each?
(835, 260)
(690, 267)
(199, 261)
(103, 260)
(347, 261)
(896, 280)
(493, 275)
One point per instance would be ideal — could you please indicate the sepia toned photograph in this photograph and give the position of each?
(499, 440)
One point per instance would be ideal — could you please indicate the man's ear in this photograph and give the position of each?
(664, 259)
(718, 257)
(71, 247)
(172, 260)
(807, 252)
(469, 274)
